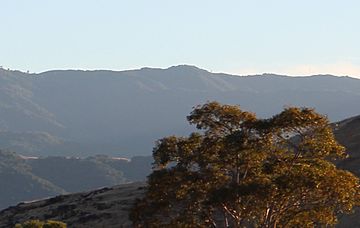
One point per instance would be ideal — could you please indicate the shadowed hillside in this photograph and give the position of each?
(348, 133)
(107, 207)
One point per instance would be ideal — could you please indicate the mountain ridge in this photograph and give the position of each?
(122, 113)
(180, 66)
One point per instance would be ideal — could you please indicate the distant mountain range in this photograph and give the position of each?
(83, 113)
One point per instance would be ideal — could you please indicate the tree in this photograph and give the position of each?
(238, 170)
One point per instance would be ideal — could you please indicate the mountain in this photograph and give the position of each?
(123, 113)
(18, 109)
(29, 178)
(30, 142)
(18, 183)
(80, 174)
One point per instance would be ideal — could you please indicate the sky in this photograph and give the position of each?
(232, 36)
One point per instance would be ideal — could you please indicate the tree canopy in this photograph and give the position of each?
(238, 170)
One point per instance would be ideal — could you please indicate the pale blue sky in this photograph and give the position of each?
(240, 37)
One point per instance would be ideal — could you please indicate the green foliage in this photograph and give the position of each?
(239, 170)
(41, 224)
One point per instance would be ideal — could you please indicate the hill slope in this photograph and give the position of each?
(107, 207)
(347, 132)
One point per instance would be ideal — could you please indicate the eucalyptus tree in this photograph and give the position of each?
(238, 170)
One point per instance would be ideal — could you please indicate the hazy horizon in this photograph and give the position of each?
(164, 68)
(235, 37)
